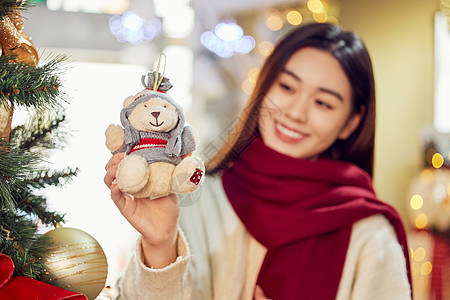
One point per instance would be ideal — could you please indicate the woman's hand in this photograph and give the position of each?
(259, 294)
(156, 220)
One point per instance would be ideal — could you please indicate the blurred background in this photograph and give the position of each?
(214, 51)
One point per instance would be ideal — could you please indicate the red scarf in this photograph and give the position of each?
(303, 212)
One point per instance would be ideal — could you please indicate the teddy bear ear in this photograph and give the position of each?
(128, 101)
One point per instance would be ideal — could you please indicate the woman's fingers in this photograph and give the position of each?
(115, 159)
(111, 168)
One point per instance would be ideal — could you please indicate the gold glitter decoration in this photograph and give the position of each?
(13, 39)
(75, 262)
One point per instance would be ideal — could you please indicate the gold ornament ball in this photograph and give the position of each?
(75, 262)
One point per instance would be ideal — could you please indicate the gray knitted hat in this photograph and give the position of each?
(173, 147)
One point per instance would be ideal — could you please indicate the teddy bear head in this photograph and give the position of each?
(154, 114)
(153, 111)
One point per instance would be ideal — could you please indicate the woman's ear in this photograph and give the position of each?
(352, 124)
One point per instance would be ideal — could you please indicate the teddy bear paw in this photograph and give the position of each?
(115, 137)
(132, 174)
(188, 175)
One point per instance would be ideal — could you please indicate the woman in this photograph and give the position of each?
(288, 211)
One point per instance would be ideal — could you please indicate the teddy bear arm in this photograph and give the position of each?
(115, 138)
(189, 141)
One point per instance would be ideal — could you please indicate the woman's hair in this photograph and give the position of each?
(354, 59)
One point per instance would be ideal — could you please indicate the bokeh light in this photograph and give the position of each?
(229, 31)
(253, 74)
(274, 22)
(130, 28)
(294, 17)
(421, 221)
(416, 202)
(332, 20)
(426, 268)
(437, 160)
(426, 176)
(419, 254)
(315, 6)
(227, 40)
(247, 86)
(320, 17)
(265, 48)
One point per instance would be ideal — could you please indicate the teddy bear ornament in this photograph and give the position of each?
(157, 143)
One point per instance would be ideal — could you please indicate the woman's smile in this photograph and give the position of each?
(287, 134)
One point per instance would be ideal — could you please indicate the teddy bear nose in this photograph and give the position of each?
(155, 114)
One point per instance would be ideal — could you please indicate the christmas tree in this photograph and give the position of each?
(24, 172)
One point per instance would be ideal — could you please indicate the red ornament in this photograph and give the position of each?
(21, 287)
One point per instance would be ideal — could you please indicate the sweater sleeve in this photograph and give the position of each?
(381, 265)
(188, 138)
(171, 282)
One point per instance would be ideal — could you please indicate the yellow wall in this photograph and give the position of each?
(399, 36)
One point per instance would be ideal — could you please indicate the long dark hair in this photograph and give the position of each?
(354, 59)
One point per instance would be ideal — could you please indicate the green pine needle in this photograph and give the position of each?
(16, 167)
(42, 130)
(30, 86)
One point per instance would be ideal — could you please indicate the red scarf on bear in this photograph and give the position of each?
(303, 212)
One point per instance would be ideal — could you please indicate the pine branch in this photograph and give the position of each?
(53, 178)
(20, 241)
(16, 167)
(29, 86)
(36, 205)
(41, 131)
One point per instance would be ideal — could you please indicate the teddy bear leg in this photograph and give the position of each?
(158, 184)
(188, 175)
(132, 174)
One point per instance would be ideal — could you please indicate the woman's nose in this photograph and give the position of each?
(297, 110)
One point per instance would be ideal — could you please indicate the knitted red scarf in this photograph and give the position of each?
(303, 212)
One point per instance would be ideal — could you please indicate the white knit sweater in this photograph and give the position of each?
(222, 260)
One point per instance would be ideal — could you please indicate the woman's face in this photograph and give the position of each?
(308, 106)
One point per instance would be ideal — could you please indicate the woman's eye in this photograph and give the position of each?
(286, 87)
(145, 106)
(324, 104)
